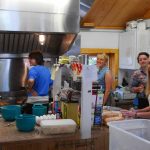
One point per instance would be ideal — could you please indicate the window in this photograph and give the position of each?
(92, 60)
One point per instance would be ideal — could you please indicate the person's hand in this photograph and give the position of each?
(132, 109)
(129, 114)
(124, 112)
(138, 89)
(141, 88)
(34, 93)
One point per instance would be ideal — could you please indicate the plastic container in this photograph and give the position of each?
(10, 112)
(59, 114)
(56, 104)
(58, 126)
(98, 115)
(129, 135)
(25, 122)
(39, 109)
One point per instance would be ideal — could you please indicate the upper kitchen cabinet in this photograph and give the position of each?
(143, 41)
(130, 44)
(127, 50)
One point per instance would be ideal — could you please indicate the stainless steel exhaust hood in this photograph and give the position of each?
(40, 15)
(21, 24)
(22, 21)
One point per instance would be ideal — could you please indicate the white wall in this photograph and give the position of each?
(99, 38)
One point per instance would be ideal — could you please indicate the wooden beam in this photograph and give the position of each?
(115, 13)
(107, 27)
(95, 51)
(88, 24)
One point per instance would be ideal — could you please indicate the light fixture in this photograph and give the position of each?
(42, 39)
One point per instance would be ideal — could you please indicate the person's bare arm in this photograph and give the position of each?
(30, 87)
(146, 109)
(134, 114)
(30, 83)
(145, 115)
(108, 84)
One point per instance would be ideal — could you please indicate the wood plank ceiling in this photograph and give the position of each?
(115, 13)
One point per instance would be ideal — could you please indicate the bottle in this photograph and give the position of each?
(50, 108)
(59, 114)
(98, 115)
(136, 103)
(56, 104)
(98, 108)
(100, 96)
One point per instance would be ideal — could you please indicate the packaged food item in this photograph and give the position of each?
(113, 119)
(58, 126)
(112, 116)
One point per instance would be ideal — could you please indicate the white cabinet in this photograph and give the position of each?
(127, 50)
(130, 44)
(143, 40)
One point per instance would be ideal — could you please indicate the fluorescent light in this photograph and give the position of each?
(42, 39)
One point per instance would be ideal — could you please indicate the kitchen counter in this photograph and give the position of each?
(12, 139)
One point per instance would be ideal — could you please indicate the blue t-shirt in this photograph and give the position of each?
(42, 79)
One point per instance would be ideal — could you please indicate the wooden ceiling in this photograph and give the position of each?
(115, 13)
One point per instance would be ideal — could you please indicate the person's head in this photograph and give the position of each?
(143, 59)
(36, 58)
(102, 60)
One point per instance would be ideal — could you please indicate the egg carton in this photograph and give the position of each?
(45, 117)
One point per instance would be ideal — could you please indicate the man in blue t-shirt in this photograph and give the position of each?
(39, 76)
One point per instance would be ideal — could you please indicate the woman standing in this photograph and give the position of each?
(104, 77)
(145, 112)
(139, 80)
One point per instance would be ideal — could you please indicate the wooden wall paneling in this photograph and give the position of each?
(147, 15)
(125, 11)
(115, 13)
(97, 12)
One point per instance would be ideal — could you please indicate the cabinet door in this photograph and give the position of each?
(148, 37)
(127, 50)
(143, 41)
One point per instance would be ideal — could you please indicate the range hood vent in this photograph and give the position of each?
(22, 21)
(18, 43)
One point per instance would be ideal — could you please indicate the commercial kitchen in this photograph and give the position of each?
(74, 75)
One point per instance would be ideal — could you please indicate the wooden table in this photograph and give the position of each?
(11, 139)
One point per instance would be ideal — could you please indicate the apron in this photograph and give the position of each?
(142, 100)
